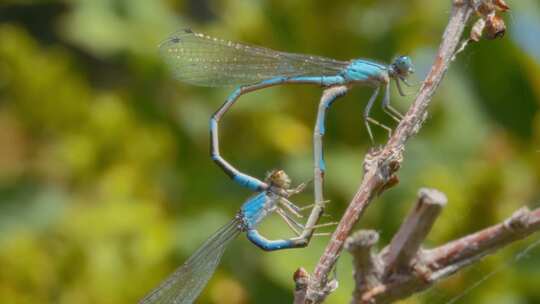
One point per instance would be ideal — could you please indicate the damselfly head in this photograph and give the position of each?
(279, 179)
(401, 67)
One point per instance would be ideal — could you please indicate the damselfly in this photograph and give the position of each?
(187, 282)
(207, 61)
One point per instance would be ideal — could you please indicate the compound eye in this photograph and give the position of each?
(404, 65)
(404, 61)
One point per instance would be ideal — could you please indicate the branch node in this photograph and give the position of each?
(431, 196)
(518, 221)
(301, 278)
(319, 294)
(421, 269)
(361, 241)
(301, 281)
(371, 159)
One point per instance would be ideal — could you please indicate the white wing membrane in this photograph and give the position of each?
(203, 60)
(187, 282)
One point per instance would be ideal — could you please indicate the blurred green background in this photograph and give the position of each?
(106, 184)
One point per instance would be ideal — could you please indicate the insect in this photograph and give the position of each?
(187, 282)
(207, 61)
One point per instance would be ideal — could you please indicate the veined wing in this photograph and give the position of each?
(203, 60)
(187, 282)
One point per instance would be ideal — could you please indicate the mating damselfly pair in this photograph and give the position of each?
(207, 61)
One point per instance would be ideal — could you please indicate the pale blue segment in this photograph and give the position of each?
(254, 211)
(322, 128)
(321, 80)
(322, 164)
(265, 244)
(248, 182)
(274, 81)
(213, 124)
(235, 94)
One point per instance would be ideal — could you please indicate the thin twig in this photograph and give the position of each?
(403, 248)
(435, 264)
(367, 265)
(447, 259)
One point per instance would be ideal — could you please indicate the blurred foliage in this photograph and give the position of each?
(105, 180)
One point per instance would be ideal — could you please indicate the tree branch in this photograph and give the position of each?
(447, 259)
(381, 165)
(430, 266)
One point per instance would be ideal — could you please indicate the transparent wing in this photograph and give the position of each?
(187, 282)
(202, 60)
